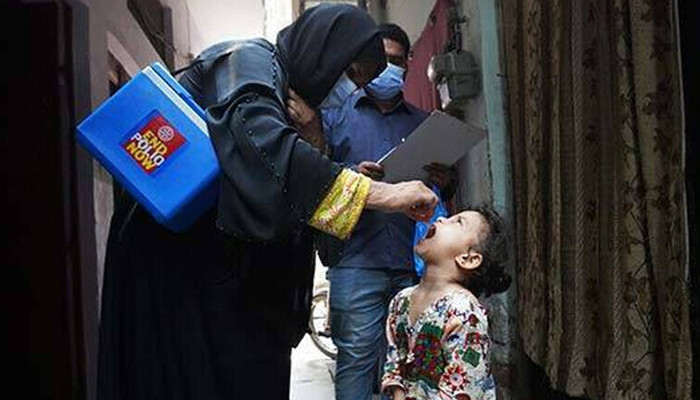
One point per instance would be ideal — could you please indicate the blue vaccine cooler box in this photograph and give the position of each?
(152, 137)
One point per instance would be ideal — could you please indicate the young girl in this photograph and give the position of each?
(438, 331)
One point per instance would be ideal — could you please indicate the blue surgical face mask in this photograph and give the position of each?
(388, 84)
(344, 87)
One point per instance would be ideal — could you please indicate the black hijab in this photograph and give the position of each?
(322, 43)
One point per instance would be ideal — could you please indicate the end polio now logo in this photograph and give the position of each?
(151, 145)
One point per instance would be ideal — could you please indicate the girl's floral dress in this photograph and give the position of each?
(444, 353)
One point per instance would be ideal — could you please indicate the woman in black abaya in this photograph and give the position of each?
(212, 313)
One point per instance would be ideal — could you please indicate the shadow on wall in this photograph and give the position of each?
(540, 386)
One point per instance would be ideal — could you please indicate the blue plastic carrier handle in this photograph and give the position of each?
(184, 94)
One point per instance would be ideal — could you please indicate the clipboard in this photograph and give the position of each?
(440, 138)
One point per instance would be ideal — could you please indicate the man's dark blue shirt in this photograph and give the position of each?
(358, 132)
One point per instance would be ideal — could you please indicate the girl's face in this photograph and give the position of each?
(453, 238)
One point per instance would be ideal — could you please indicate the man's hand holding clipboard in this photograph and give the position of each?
(440, 139)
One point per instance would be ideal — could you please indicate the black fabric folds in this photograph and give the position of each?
(212, 312)
(271, 180)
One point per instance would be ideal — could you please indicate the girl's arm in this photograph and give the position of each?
(392, 381)
(466, 346)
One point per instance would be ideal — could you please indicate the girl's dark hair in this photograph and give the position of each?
(490, 278)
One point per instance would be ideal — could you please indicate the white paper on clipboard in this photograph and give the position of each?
(441, 138)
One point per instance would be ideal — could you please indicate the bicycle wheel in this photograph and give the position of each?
(319, 324)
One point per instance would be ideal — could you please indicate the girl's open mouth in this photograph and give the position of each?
(431, 231)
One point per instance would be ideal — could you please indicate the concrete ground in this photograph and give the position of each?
(312, 373)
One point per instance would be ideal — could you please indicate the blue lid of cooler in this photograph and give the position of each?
(152, 137)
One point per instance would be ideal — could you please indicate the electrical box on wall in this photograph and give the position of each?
(456, 75)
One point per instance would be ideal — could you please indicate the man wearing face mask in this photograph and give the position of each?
(377, 260)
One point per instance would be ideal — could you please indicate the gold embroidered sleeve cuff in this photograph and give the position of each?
(340, 210)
